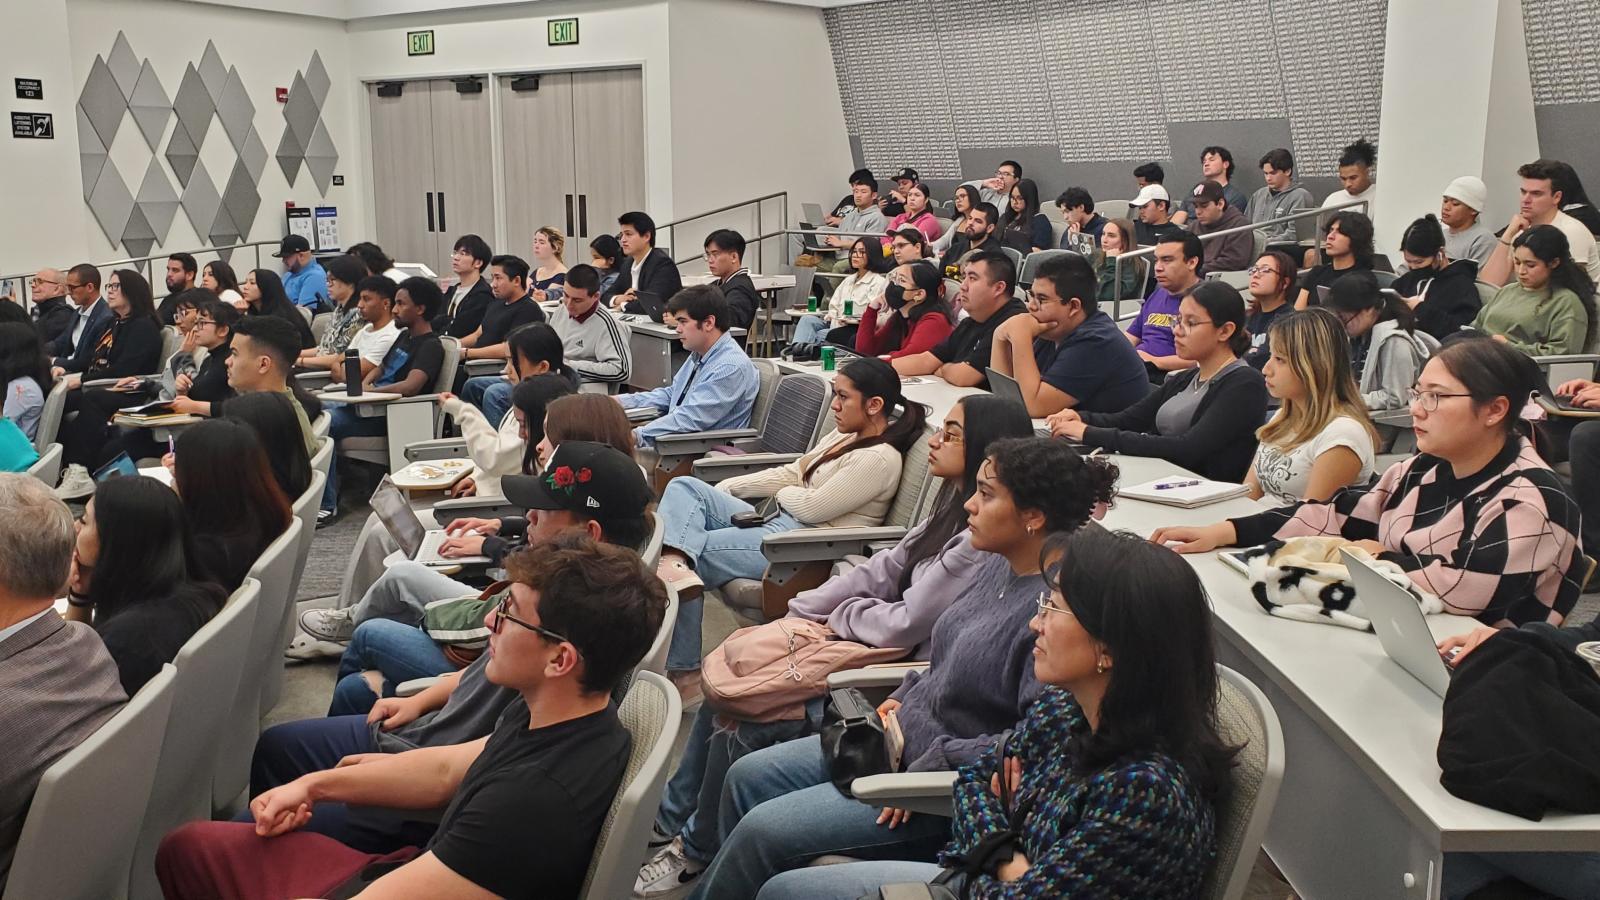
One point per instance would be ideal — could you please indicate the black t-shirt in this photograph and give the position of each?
(970, 342)
(144, 637)
(500, 319)
(411, 353)
(1148, 235)
(1257, 324)
(525, 820)
(1322, 276)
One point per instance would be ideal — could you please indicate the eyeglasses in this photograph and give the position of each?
(113, 286)
(200, 322)
(950, 434)
(1045, 606)
(1190, 324)
(1035, 299)
(37, 280)
(1261, 270)
(500, 614)
(1428, 401)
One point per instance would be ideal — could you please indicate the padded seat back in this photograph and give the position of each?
(915, 484)
(55, 406)
(795, 414)
(1245, 719)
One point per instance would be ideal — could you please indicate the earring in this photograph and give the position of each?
(1029, 529)
(1099, 667)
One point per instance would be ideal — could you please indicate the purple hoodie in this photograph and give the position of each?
(1153, 325)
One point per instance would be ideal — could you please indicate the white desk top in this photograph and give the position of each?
(642, 324)
(762, 282)
(339, 396)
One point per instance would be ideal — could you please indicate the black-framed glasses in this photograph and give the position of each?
(501, 614)
(200, 322)
(1429, 400)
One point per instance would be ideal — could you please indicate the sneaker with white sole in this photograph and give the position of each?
(658, 838)
(76, 484)
(676, 573)
(305, 648)
(336, 625)
(668, 874)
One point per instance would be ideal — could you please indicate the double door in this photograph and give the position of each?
(432, 159)
(573, 152)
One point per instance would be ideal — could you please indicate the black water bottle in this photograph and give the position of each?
(352, 372)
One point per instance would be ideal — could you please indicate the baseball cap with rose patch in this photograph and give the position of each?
(596, 480)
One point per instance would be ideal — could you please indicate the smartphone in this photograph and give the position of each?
(752, 519)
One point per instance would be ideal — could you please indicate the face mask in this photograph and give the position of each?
(895, 295)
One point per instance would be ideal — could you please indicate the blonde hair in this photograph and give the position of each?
(1318, 351)
(558, 241)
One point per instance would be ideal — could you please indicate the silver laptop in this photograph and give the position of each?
(415, 539)
(1401, 627)
(813, 213)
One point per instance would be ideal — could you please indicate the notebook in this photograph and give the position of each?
(1186, 492)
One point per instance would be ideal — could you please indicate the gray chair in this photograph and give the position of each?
(47, 468)
(1239, 280)
(1030, 265)
(207, 680)
(320, 324)
(651, 554)
(322, 460)
(1258, 244)
(323, 422)
(1112, 209)
(78, 839)
(305, 313)
(791, 423)
(305, 511)
(55, 406)
(1245, 719)
(1016, 256)
(652, 713)
(1384, 279)
(1486, 291)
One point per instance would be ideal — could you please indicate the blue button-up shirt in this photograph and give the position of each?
(713, 390)
(307, 287)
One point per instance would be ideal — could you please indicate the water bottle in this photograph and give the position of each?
(352, 373)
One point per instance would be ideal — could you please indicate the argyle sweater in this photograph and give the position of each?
(1136, 828)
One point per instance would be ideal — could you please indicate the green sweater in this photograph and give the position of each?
(1538, 323)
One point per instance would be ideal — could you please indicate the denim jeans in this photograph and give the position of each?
(810, 330)
(404, 590)
(697, 521)
(845, 882)
(807, 818)
(1570, 876)
(489, 393)
(398, 650)
(345, 423)
(691, 802)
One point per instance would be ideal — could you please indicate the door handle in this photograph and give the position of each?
(429, 202)
(569, 216)
(441, 212)
(583, 215)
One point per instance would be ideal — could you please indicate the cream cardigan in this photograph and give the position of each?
(852, 491)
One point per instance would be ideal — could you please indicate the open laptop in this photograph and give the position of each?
(1005, 387)
(1401, 627)
(652, 303)
(813, 213)
(415, 539)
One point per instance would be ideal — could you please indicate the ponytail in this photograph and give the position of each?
(876, 378)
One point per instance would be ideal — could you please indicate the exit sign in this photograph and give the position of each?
(419, 43)
(563, 31)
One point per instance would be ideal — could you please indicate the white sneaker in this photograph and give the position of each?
(668, 874)
(337, 625)
(75, 484)
(675, 572)
(304, 648)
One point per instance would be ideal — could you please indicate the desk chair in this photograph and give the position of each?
(55, 406)
(412, 419)
(1112, 209)
(207, 680)
(1237, 280)
(1016, 257)
(1258, 246)
(322, 460)
(171, 342)
(47, 468)
(791, 412)
(1486, 291)
(78, 839)
(320, 323)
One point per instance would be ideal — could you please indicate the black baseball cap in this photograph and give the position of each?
(292, 243)
(906, 175)
(596, 480)
(1208, 192)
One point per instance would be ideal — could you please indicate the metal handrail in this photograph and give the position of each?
(761, 234)
(141, 263)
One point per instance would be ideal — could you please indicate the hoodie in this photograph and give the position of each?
(1393, 361)
(1449, 296)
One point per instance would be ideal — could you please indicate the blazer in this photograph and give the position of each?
(59, 685)
(74, 357)
(135, 349)
(461, 319)
(658, 275)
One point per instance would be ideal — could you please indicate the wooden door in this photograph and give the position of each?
(540, 173)
(402, 174)
(608, 141)
(463, 168)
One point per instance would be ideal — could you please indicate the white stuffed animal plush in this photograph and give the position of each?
(1303, 578)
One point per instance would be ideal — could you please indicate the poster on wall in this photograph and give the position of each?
(300, 223)
(327, 228)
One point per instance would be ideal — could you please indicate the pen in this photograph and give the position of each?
(1169, 485)
(172, 446)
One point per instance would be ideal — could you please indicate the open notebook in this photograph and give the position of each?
(1187, 492)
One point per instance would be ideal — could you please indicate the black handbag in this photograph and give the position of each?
(853, 745)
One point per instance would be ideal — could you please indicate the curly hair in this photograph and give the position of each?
(1050, 476)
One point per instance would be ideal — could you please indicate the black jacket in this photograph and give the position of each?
(75, 357)
(659, 276)
(458, 321)
(1452, 299)
(135, 349)
(1221, 441)
(53, 318)
(960, 246)
(743, 301)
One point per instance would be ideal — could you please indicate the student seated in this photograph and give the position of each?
(137, 574)
(523, 807)
(1476, 518)
(867, 280)
(988, 281)
(495, 445)
(219, 278)
(51, 314)
(1066, 352)
(375, 305)
(1203, 419)
(1272, 287)
(90, 317)
(916, 214)
(1077, 210)
(1579, 443)
(1346, 247)
(1542, 202)
(549, 271)
(856, 214)
(411, 367)
(230, 495)
(59, 683)
(1107, 802)
(849, 479)
(513, 307)
(1178, 258)
(131, 345)
(462, 309)
(264, 296)
(893, 600)
(1443, 292)
(1023, 227)
(714, 388)
(344, 275)
(724, 253)
(1213, 213)
(605, 255)
(909, 317)
(25, 374)
(273, 418)
(1116, 238)
(644, 269)
(1386, 348)
(1466, 237)
(978, 231)
(965, 199)
(263, 352)
(1321, 438)
(1549, 308)
(1279, 197)
(781, 811)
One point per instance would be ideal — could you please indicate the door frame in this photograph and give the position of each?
(496, 138)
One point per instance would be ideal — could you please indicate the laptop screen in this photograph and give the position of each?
(398, 517)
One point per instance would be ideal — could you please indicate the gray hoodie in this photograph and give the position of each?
(1394, 359)
(1266, 205)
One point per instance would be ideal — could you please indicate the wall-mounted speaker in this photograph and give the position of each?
(525, 83)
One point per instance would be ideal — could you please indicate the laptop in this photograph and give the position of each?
(1005, 387)
(1401, 627)
(416, 541)
(653, 305)
(120, 467)
(812, 212)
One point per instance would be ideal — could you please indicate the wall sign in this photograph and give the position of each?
(563, 31)
(30, 89)
(419, 43)
(33, 125)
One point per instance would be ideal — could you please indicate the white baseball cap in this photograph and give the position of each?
(1151, 192)
(1469, 189)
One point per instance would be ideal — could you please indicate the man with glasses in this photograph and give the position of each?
(996, 190)
(91, 315)
(1067, 353)
(523, 806)
(1178, 258)
(51, 314)
(724, 249)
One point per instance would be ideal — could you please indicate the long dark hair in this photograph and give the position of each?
(1423, 237)
(1490, 369)
(1356, 292)
(1021, 221)
(1148, 609)
(270, 415)
(372, 258)
(608, 248)
(876, 261)
(235, 504)
(1224, 304)
(147, 550)
(973, 197)
(986, 419)
(875, 378)
(926, 278)
(223, 273)
(136, 293)
(1358, 228)
(538, 342)
(1550, 245)
(532, 396)
(22, 355)
(274, 299)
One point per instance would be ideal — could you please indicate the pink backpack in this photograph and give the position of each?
(766, 673)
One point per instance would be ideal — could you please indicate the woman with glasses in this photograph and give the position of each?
(910, 317)
(1110, 799)
(1023, 228)
(1386, 349)
(1476, 518)
(1549, 309)
(344, 273)
(1272, 286)
(868, 268)
(890, 601)
(1202, 418)
(916, 215)
(780, 810)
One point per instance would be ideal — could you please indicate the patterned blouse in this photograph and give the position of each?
(337, 338)
(1501, 544)
(1137, 828)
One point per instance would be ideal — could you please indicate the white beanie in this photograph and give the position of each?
(1469, 189)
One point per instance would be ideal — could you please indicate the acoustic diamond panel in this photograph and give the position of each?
(305, 135)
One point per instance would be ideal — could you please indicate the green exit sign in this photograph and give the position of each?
(563, 31)
(419, 43)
